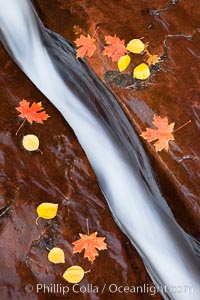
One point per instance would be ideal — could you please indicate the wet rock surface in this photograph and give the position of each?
(172, 29)
(60, 171)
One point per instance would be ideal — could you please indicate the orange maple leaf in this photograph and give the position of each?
(33, 112)
(153, 59)
(86, 44)
(90, 243)
(163, 133)
(116, 47)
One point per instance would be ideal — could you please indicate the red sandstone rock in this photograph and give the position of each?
(61, 172)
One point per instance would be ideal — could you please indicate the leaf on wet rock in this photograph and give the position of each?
(86, 46)
(30, 142)
(116, 47)
(56, 255)
(163, 133)
(123, 62)
(135, 46)
(32, 112)
(47, 210)
(74, 274)
(153, 59)
(141, 72)
(90, 243)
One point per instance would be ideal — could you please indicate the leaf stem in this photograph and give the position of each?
(40, 151)
(22, 124)
(182, 126)
(95, 31)
(36, 221)
(87, 227)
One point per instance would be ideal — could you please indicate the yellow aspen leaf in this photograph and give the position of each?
(47, 210)
(30, 142)
(124, 62)
(74, 274)
(135, 46)
(56, 255)
(141, 72)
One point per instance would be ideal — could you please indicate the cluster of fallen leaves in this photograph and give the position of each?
(90, 243)
(161, 134)
(32, 113)
(118, 52)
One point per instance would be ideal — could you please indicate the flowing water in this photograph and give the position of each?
(110, 143)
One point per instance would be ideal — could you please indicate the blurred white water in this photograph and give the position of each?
(144, 217)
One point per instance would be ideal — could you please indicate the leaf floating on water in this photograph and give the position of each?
(47, 210)
(74, 274)
(32, 113)
(124, 62)
(116, 47)
(30, 142)
(56, 255)
(90, 243)
(141, 72)
(135, 46)
(86, 44)
(163, 133)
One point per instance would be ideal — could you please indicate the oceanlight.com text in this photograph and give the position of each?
(111, 288)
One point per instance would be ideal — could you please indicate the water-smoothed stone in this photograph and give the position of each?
(61, 172)
(172, 29)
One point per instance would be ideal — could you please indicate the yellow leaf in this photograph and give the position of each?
(56, 255)
(30, 142)
(135, 46)
(141, 72)
(74, 274)
(47, 210)
(124, 62)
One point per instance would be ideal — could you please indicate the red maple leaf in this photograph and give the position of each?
(86, 44)
(116, 47)
(90, 243)
(32, 113)
(163, 133)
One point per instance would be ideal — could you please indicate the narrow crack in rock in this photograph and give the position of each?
(159, 11)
